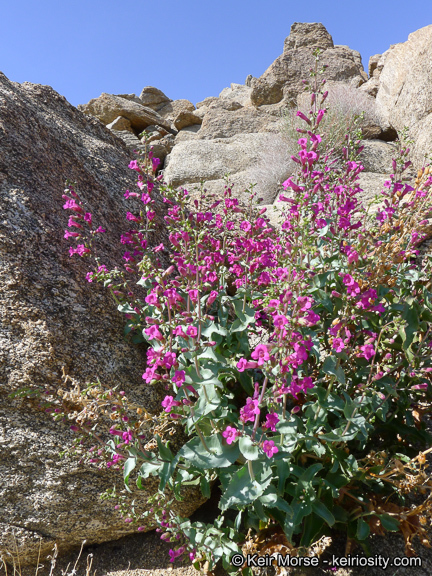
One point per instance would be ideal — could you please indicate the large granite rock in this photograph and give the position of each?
(51, 318)
(405, 90)
(153, 97)
(283, 79)
(108, 107)
(221, 123)
(195, 160)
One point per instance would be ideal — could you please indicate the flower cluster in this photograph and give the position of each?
(275, 347)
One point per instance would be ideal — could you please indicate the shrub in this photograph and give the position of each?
(349, 111)
(297, 360)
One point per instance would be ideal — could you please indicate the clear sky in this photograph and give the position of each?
(187, 48)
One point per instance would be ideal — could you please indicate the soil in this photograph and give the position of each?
(147, 555)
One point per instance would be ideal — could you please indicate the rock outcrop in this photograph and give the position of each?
(51, 318)
(404, 93)
(283, 79)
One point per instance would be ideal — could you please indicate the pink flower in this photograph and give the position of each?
(269, 448)
(192, 331)
(241, 364)
(152, 299)
(193, 294)
(68, 234)
(230, 434)
(245, 226)
(271, 420)
(368, 351)
(132, 218)
(153, 333)
(168, 403)
(178, 331)
(320, 116)
(280, 321)
(179, 377)
(133, 165)
(261, 354)
(338, 344)
(249, 411)
(71, 204)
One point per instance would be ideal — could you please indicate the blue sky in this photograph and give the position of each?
(187, 48)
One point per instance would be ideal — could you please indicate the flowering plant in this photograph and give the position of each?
(297, 359)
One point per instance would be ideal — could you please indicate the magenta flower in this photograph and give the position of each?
(271, 420)
(168, 403)
(133, 165)
(320, 116)
(193, 294)
(152, 299)
(179, 377)
(269, 448)
(68, 234)
(279, 321)
(261, 354)
(153, 333)
(241, 364)
(192, 331)
(249, 411)
(71, 204)
(132, 218)
(178, 331)
(338, 344)
(368, 351)
(230, 434)
(303, 117)
(245, 226)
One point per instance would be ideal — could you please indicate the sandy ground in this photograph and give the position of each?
(146, 555)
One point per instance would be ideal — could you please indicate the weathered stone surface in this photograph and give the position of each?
(207, 102)
(155, 133)
(188, 133)
(220, 123)
(405, 89)
(132, 97)
(373, 63)
(119, 124)
(194, 160)
(50, 317)
(169, 111)
(237, 93)
(306, 35)
(153, 97)
(283, 79)
(108, 107)
(377, 156)
(186, 118)
(131, 141)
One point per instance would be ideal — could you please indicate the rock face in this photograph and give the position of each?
(405, 89)
(283, 79)
(52, 318)
(108, 107)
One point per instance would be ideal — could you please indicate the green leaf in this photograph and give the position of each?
(242, 490)
(220, 456)
(205, 487)
(321, 510)
(249, 450)
(411, 315)
(388, 522)
(127, 469)
(363, 529)
(330, 367)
